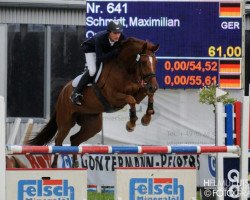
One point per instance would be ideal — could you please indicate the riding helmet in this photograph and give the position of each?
(115, 26)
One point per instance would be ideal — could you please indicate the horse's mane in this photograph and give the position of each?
(136, 43)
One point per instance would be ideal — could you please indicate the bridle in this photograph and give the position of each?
(138, 59)
(148, 76)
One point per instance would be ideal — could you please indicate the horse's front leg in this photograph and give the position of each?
(130, 125)
(130, 100)
(145, 120)
(131, 89)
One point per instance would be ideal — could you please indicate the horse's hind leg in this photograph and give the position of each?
(90, 124)
(145, 120)
(61, 135)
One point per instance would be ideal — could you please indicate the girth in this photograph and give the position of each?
(106, 105)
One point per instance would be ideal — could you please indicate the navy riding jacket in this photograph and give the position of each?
(100, 44)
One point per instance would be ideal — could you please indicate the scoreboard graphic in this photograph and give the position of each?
(200, 41)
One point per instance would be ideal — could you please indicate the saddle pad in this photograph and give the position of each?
(76, 80)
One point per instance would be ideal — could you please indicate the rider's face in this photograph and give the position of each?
(114, 36)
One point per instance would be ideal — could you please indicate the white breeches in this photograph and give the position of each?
(91, 63)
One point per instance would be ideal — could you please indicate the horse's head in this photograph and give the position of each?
(147, 66)
(141, 61)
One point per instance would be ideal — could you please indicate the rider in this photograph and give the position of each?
(101, 47)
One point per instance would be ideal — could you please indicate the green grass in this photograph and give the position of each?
(100, 196)
(110, 196)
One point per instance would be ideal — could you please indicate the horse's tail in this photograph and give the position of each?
(47, 133)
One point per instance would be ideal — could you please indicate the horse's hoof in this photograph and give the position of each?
(145, 120)
(130, 127)
(75, 164)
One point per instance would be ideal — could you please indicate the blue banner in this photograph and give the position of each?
(192, 33)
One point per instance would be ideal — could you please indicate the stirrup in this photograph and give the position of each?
(76, 98)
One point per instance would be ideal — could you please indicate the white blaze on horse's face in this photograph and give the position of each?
(151, 63)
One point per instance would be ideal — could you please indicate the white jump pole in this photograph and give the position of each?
(2, 148)
(244, 149)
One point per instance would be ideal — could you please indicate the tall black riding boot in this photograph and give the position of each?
(76, 96)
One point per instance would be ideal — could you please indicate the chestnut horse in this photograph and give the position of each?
(126, 79)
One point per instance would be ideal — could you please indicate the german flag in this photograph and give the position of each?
(230, 66)
(230, 81)
(230, 10)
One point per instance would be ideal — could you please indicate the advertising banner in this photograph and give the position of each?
(231, 182)
(157, 184)
(46, 184)
(101, 168)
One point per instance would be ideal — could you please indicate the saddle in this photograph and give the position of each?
(97, 89)
(78, 78)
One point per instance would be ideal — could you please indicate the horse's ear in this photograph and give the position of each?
(155, 48)
(144, 47)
